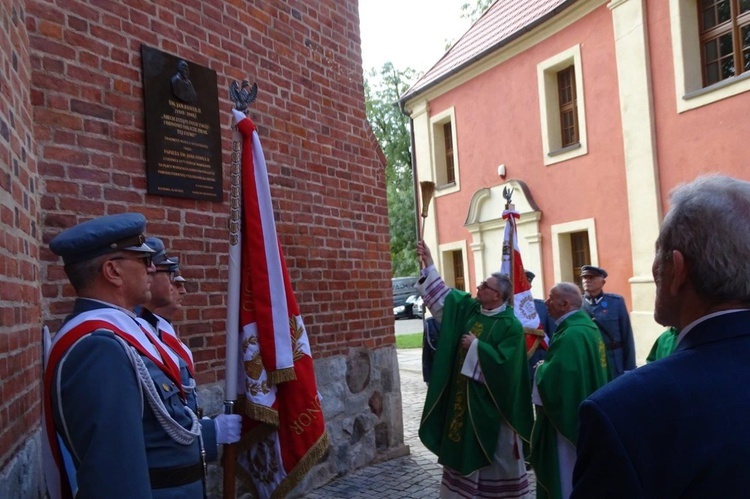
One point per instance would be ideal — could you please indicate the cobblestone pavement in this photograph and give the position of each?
(414, 476)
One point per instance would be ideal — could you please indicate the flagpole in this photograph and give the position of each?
(233, 309)
(509, 206)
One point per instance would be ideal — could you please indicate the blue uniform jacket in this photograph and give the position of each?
(612, 314)
(110, 430)
(676, 427)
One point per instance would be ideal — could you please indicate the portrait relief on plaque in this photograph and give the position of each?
(183, 137)
(182, 87)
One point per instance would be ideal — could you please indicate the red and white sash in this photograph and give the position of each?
(123, 326)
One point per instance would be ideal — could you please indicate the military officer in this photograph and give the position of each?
(116, 417)
(611, 315)
(178, 292)
(224, 428)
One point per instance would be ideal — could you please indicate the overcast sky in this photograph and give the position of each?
(408, 33)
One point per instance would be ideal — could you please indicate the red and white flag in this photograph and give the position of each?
(283, 428)
(523, 301)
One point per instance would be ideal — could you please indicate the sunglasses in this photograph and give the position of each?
(146, 259)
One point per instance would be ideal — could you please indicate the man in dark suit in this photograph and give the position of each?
(678, 427)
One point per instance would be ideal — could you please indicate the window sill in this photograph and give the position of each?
(563, 150)
(445, 186)
(717, 86)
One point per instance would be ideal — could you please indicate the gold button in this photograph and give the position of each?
(165, 386)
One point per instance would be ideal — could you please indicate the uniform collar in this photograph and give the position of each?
(85, 304)
(594, 300)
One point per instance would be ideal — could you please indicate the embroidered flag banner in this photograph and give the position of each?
(283, 427)
(523, 301)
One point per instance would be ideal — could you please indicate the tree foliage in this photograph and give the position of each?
(383, 90)
(474, 10)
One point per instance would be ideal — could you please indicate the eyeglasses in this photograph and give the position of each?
(146, 259)
(484, 285)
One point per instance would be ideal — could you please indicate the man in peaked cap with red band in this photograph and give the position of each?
(106, 377)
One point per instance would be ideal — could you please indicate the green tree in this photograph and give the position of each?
(383, 89)
(474, 10)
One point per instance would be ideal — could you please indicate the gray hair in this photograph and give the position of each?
(506, 287)
(709, 223)
(82, 274)
(570, 292)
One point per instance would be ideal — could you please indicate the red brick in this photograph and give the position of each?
(325, 173)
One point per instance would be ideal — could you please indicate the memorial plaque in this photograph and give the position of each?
(183, 138)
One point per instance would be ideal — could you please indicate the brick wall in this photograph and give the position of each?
(20, 311)
(326, 178)
(75, 68)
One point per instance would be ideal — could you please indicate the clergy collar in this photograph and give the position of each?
(494, 311)
(563, 317)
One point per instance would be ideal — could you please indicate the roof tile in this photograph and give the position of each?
(503, 21)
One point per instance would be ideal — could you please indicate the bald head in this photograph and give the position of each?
(570, 292)
(563, 298)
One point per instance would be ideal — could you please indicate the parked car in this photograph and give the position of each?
(418, 309)
(412, 307)
(403, 287)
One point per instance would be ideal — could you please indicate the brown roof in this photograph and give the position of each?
(504, 21)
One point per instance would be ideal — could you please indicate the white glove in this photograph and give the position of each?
(228, 427)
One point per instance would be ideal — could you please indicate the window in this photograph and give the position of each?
(573, 245)
(458, 270)
(453, 264)
(725, 38)
(561, 105)
(566, 91)
(450, 172)
(710, 50)
(580, 253)
(445, 152)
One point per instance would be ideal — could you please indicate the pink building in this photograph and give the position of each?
(593, 110)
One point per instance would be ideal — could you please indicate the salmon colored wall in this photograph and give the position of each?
(498, 122)
(707, 139)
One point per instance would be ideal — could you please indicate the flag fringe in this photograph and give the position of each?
(281, 376)
(258, 412)
(313, 455)
(305, 464)
(533, 331)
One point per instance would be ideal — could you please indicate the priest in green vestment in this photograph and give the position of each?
(477, 412)
(575, 366)
(664, 345)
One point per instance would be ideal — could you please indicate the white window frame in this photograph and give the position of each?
(562, 258)
(446, 264)
(549, 107)
(686, 56)
(438, 152)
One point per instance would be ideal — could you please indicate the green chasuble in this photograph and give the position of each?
(461, 418)
(664, 345)
(575, 367)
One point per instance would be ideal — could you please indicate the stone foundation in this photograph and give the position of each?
(361, 398)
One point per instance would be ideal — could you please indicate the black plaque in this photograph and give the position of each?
(183, 138)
